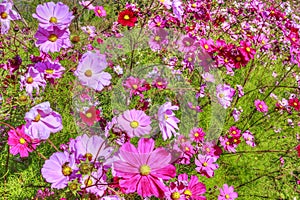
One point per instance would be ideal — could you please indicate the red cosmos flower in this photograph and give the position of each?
(90, 116)
(294, 102)
(127, 18)
(298, 150)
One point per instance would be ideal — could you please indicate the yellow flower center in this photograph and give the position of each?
(260, 106)
(249, 139)
(4, 15)
(227, 143)
(158, 24)
(263, 42)
(235, 140)
(233, 132)
(37, 118)
(227, 196)
(126, 17)
(23, 98)
(205, 46)
(221, 95)
(99, 11)
(187, 43)
(295, 104)
(187, 149)
(85, 168)
(226, 60)
(73, 186)
(238, 59)
(194, 5)
(134, 86)
(88, 73)
(22, 141)
(89, 156)
(175, 195)
(272, 12)
(188, 192)
(66, 170)
(53, 20)
(29, 80)
(196, 134)
(294, 39)
(88, 182)
(248, 49)
(134, 124)
(49, 71)
(88, 115)
(159, 83)
(52, 37)
(207, 149)
(204, 164)
(157, 38)
(145, 170)
(166, 117)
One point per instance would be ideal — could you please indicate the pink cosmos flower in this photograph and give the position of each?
(99, 11)
(206, 165)
(227, 193)
(261, 106)
(235, 132)
(136, 86)
(41, 120)
(197, 134)
(7, 15)
(177, 9)
(90, 30)
(144, 168)
(135, 123)
(236, 114)
(225, 94)
(166, 3)
(50, 70)
(19, 142)
(228, 144)
(90, 71)
(186, 44)
(95, 183)
(52, 15)
(194, 189)
(246, 50)
(33, 79)
(249, 138)
(158, 39)
(160, 83)
(167, 120)
(53, 40)
(58, 169)
(90, 116)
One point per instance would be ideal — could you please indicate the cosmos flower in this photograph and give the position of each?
(90, 71)
(224, 94)
(227, 193)
(127, 18)
(7, 15)
(19, 142)
(53, 40)
(33, 79)
(135, 123)
(58, 169)
(41, 120)
(197, 134)
(249, 138)
(50, 70)
(186, 44)
(194, 189)
(90, 30)
(158, 39)
(206, 165)
(144, 168)
(167, 120)
(52, 15)
(99, 11)
(87, 4)
(95, 183)
(90, 116)
(261, 106)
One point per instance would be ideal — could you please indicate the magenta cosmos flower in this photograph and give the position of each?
(19, 142)
(167, 120)
(261, 106)
(58, 169)
(227, 193)
(99, 11)
(194, 188)
(7, 15)
(206, 165)
(52, 40)
(135, 123)
(144, 168)
(90, 71)
(33, 79)
(225, 94)
(41, 120)
(51, 70)
(52, 15)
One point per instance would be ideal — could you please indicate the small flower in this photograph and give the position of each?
(249, 138)
(99, 11)
(19, 142)
(41, 120)
(261, 106)
(135, 123)
(90, 116)
(160, 83)
(50, 70)
(194, 188)
(158, 39)
(167, 120)
(225, 94)
(127, 18)
(87, 4)
(227, 193)
(90, 30)
(295, 103)
(90, 71)
(206, 165)
(7, 15)
(58, 169)
(53, 40)
(33, 79)
(118, 70)
(235, 132)
(52, 15)
(197, 134)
